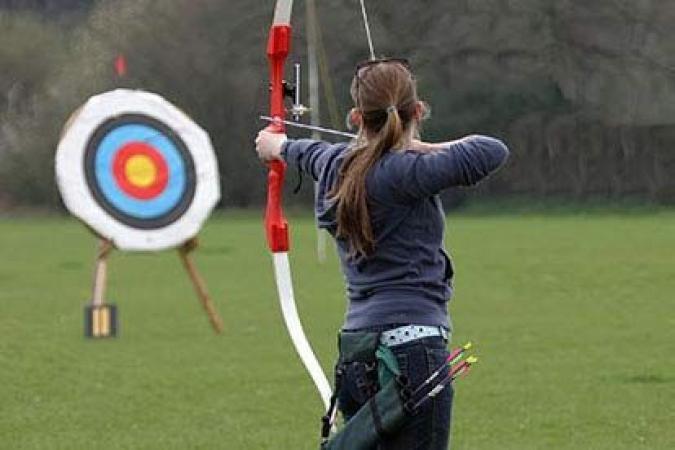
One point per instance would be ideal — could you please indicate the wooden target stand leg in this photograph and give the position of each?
(100, 318)
(198, 282)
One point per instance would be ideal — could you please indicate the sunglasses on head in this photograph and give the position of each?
(373, 62)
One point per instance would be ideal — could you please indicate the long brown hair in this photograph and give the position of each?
(385, 94)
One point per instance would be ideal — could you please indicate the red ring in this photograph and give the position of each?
(119, 165)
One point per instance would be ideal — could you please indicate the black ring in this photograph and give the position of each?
(162, 129)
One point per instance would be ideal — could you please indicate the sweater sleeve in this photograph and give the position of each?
(308, 155)
(465, 162)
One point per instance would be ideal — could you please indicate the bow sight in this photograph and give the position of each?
(293, 91)
(297, 109)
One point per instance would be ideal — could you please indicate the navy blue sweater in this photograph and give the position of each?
(408, 280)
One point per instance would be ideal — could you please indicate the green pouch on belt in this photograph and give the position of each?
(358, 346)
(384, 413)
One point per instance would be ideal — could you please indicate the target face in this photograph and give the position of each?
(140, 171)
(147, 176)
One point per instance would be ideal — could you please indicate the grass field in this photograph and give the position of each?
(573, 317)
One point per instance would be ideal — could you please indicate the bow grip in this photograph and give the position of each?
(276, 225)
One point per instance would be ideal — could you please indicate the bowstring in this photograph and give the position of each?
(366, 25)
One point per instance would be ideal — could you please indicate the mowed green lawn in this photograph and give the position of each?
(573, 318)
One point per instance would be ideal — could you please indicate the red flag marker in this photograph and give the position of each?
(121, 65)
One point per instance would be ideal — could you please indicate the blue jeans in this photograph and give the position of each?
(429, 429)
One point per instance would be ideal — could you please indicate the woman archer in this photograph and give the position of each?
(378, 197)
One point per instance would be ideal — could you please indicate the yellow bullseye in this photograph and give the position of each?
(140, 170)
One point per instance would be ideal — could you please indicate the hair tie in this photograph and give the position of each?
(392, 109)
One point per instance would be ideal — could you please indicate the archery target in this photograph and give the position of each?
(137, 170)
(140, 171)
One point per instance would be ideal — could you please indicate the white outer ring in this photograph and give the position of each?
(73, 186)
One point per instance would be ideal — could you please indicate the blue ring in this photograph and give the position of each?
(105, 178)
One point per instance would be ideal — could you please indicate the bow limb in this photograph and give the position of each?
(276, 225)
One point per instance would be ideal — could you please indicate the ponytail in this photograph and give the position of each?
(353, 217)
(386, 97)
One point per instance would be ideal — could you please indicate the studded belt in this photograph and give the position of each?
(408, 333)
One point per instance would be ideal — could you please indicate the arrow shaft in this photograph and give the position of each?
(451, 359)
(452, 376)
(308, 127)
